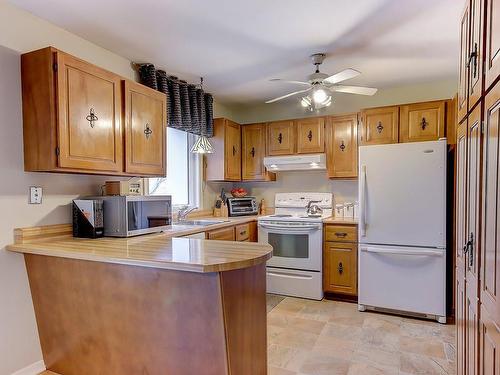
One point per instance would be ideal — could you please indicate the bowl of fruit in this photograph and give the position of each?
(239, 192)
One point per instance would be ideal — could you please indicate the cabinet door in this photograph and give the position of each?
(310, 135)
(232, 141)
(490, 228)
(460, 320)
(489, 330)
(145, 121)
(473, 250)
(253, 149)
(492, 53)
(340, 268)
(463, 72)
(422, 122)
(242, 232)
(461, 196)
(342, 146)
(224, 234)
(89, 111)
(476, 52)
(280, 138)
(379, 126)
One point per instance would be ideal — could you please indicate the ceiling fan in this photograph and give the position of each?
(321, 85)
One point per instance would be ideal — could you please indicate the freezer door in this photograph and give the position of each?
(402, 193)
(403, 278)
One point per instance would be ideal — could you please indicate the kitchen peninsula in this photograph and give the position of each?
(148, 305)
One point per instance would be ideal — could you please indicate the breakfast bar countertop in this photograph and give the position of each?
(155, 250)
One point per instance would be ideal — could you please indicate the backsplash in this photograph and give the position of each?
(287, 182)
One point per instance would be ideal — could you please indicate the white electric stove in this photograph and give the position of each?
(296, 266)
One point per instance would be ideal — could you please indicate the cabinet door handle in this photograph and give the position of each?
(342, 146)
(243, 232)
(310, 136)
(469, 250)
(424, 123)
(380, 127)
(280, 138)
(341, 234)
(473, 56)
(91, 117)
(147, 131)
(252, 152)
(340, 268)
(234, 150)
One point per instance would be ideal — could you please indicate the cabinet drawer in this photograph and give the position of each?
(342, 233)
(224, 234)
(242, 232)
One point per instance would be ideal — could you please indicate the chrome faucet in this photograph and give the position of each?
(183, 212)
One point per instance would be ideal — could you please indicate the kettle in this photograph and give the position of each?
(313, 210)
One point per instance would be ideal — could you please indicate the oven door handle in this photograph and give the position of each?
(304, 228)
(289, 275)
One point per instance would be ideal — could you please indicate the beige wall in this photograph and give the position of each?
(21, 32)
(346, 103)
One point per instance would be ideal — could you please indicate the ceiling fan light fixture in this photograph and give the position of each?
(305, 102)
(320, 96)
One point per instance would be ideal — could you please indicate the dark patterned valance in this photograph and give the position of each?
(189, 108)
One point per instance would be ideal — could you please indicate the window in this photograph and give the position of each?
(183, 171)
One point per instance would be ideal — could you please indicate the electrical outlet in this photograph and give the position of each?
(35, 195)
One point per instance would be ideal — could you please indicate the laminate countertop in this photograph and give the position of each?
(160, 250)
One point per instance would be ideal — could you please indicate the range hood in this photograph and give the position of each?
(295, 162)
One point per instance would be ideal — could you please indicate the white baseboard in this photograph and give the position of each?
(33, 369)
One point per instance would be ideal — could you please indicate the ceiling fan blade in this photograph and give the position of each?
(342, 76)
(287, 95)
(288, 81)
(354, 89)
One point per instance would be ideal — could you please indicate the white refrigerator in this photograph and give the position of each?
(402, 228)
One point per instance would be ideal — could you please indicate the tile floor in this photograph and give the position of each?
(332, 338)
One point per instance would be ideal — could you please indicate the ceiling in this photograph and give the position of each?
(238, 45)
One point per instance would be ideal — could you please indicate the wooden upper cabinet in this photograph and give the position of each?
(463, 72)
(492, 52)
(310, 135)
(145, 116)
(379, 125)
(232, 151)
(342, 146)
(253, 150)
(476, 52)
(422, 121)
(225, 163)
(89, 109)
(280, 138)
(73, 117)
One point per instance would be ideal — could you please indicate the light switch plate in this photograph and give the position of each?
(35, 195)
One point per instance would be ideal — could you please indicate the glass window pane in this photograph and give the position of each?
(289, 245)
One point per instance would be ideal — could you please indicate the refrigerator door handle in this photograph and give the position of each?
(402, 252)
(362, 203)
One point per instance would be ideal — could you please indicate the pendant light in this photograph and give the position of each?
(202, 144)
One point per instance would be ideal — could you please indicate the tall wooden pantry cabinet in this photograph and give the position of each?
(477, 206)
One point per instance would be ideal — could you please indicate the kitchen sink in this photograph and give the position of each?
(200, 222)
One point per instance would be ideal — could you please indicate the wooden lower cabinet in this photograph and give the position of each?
(224, 234)
(340, 268)
(246, 232)
(340, 259)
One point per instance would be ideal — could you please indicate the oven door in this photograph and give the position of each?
(296, 245)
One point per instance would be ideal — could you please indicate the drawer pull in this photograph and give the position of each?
(242, 233)
(341, 234)
(340, 268)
